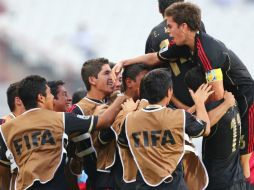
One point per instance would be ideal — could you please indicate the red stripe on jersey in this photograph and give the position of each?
(172, 42)
(201, 53)
(251, 128)
(72, 108)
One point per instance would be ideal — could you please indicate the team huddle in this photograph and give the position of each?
(133, 129)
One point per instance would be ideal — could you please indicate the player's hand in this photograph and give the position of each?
(229, 99)
(130, 105)
(100, 109)
(202, 93)
(191, 109)
(142, 104)
(117, 70)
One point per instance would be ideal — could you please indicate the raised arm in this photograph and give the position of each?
(199, 98)
(148, 59)
(107, 118)
(217, 113)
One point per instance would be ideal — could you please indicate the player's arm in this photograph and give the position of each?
(83, 124)
(106, 135)
(217, 113)
(178, 104)
(148, 59)
(107, 118)
(3, 159)
(193, 126)
(199, 98)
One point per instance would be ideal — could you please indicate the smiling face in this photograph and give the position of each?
(61, 103)
(177, 32)
(104, 82)
(118, 82)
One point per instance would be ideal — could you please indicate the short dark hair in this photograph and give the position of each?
(132, 71)
(78, 95)
(29, 89)
(12, 93)
(185, 12)
(91, 68)
(194, 78)
(111, 64)
(163, 4)
(155, 84)
(54, 87)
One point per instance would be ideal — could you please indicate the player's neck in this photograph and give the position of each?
(95, 94)
(18, 111)
(190, 40)
(163, 102)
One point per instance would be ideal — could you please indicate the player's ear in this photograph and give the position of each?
(40, 98)
(170, 92)
(92, 80)
(184, 27)
(128, 82)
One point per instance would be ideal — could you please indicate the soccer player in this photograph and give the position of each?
(159, 39)
(8, 173)
(123, 170)
(156, 134)
(96, 75)
(61, 103)
(221, 148)
(35, 139)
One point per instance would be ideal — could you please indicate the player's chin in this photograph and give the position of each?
(178, 43)
(110, 90)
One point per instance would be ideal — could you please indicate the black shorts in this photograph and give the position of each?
(178, 183)
(246, 106)
(236, 186)
(103, 181)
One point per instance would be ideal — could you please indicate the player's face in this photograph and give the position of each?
(104, 82)
(175, 31)
(48, 102)
(61, 104)
(118, 82)
(136, 84)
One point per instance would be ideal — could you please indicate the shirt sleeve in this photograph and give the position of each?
(75, 109)
(172, 52)
(106, 135)
(122, 139)
(79, 123)
(3, 160)
(148, 48)
(194, 127)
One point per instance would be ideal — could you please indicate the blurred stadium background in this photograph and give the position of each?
(54, 37)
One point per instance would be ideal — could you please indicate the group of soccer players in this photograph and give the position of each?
(137, 135)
